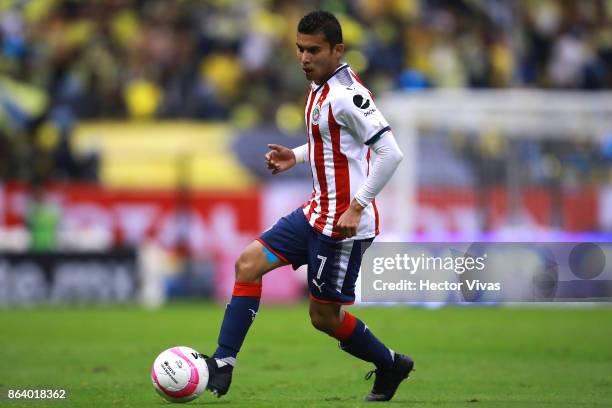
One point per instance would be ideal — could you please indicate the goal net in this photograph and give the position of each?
(484, 162)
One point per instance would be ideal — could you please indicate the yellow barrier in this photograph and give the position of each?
(164, 154)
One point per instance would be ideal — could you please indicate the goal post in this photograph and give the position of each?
(515, 114)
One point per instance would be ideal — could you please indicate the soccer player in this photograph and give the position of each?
(332, 230)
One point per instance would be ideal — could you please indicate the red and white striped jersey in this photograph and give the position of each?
(342, 121)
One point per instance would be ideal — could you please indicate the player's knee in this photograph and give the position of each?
(246, 269)
(318, 321)
(324, 322)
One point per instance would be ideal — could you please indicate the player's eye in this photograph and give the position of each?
(312, 50)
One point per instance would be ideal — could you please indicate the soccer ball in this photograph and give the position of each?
(179, 374)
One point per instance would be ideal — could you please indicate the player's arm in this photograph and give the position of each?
(388, 157)
(301, 153)
(358, 112)
(281, 158)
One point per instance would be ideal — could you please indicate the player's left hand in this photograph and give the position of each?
(349, 220)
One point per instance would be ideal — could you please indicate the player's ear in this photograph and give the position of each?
(338, 50)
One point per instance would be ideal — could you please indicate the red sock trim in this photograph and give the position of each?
(247, 289)
(346, 327)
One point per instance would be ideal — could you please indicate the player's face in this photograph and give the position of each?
(318, 58)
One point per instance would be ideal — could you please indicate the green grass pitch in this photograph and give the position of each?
(465, 357)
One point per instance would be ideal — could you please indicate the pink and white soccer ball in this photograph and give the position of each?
(179, 374)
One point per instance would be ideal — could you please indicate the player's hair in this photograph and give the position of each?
(320, 21)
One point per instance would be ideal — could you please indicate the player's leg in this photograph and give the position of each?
(325, 317)
(251, 265)
(254, 262)
(354, 336)
(333, 271)
(358, 340)
(284, 243)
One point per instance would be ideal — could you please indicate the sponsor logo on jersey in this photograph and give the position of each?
(368, 113)
(361, 102)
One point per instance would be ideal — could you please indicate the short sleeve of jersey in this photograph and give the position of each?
(356, 110)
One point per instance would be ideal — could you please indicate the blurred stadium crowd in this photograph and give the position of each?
(224, 74)
(67, 60)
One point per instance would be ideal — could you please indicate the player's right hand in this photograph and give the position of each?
(279, 158)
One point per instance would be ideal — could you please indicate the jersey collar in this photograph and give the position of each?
(340, 68)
